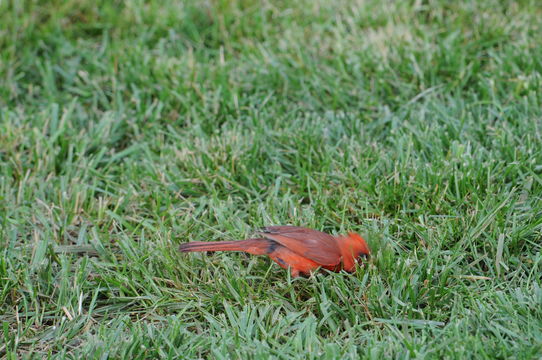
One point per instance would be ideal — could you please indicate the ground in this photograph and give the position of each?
(129, 127)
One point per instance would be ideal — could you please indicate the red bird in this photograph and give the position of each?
(300, 249)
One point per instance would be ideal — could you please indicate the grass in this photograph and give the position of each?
(128, 127)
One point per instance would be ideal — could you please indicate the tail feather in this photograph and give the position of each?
(211, 246)
(252, 246)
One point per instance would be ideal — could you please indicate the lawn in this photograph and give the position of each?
(129, 127)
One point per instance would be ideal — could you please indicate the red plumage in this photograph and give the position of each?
(300, 249)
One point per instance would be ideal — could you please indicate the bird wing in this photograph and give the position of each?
(312, 244)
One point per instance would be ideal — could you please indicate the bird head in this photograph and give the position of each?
(354, 250)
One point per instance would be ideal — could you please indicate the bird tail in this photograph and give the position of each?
(252, 246)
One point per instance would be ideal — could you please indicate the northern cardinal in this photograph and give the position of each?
(300, 249)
